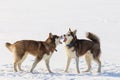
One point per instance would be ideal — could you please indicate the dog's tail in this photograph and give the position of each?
(93, 37)
(8, 45)
(96, 48)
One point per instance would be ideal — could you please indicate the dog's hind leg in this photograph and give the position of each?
(77, 64)
(16, 63)
(99, 64)
(68, 64)
(37, 60)
(21, 61)
(88, 58)
(16, 59)
(19, 65)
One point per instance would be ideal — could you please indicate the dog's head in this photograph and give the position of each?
(54, 39)
(70, 36)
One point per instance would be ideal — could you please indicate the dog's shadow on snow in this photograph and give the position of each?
(107, 74)
(59, 74)
(62, 73)
(111, 74)
(107, 70)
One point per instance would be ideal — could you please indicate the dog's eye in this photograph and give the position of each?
(68, 34)
(57, 37)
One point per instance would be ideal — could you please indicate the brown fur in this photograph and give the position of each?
(35, 48)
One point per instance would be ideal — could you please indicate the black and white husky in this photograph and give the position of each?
(79, 47)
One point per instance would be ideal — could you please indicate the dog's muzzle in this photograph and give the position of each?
(64, 37)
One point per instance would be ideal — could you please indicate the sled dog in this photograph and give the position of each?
(78, 47)
(39, 49)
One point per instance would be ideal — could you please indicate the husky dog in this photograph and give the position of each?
(39, 49)
(79, 47)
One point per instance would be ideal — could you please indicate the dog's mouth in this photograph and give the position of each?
(65, 39)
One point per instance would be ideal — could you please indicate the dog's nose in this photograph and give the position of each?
(61, 37)
(64, 35)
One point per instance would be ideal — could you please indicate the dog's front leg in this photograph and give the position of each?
(37, 60)
(47, 65)
(68, 64)
(77, 64)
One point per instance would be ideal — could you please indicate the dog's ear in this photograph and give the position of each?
(75, 31)
(50, 35)
(70, 30)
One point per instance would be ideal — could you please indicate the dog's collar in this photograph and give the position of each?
(71, 44)
(56, 50)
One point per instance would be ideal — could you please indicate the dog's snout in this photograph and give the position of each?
(64, 35)
(61, 37)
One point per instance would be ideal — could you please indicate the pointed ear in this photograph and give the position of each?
(70, 30)
(50, 35)
(75, 31)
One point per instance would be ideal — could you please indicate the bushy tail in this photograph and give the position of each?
(8, 45)
(96, 48)
(93, 37)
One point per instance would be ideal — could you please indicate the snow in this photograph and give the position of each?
(35, 19)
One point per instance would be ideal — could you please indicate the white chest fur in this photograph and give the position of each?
(70, 52)
(46, 56)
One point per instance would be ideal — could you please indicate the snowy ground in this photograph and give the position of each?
(34, 19)
(110, 71)
(110, 67)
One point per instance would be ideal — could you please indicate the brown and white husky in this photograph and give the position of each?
(39, 49)
(79, 47)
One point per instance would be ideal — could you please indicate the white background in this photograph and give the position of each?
(35, 19)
